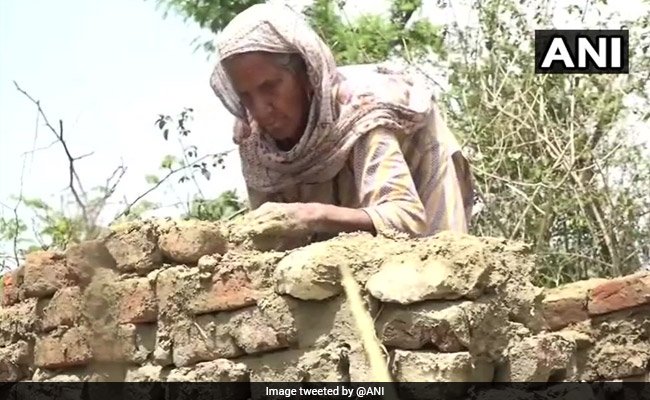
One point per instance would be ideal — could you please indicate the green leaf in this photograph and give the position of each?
(152, 179)
(168, 162)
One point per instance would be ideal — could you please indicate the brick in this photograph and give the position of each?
(64, 309)
(19, 321)
(45, 273)
(63, 349)
(187, 241)
(12, 286)
(137, 301)
(14, 360)
(619, 294)
(135, 248)
(567, 304)
(84, 258)
(228, 290)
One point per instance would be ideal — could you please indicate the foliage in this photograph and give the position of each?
(551, 154)
(554, 157)
(226, 206)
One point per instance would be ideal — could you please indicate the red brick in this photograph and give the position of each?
(85, 258)
(66, 349)
(229, 290)
(45, 273)
(12, 286)
(567, 304)
(65, 309)
(619, 294)
(138, 301)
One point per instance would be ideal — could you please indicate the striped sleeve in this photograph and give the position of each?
(386, 190)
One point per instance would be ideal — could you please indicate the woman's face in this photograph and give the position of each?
(275, 96)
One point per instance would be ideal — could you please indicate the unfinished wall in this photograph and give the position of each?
(186, 301)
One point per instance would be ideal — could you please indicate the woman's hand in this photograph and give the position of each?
(283, 219)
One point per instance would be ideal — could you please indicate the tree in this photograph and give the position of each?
(78, 217)
(552, 155)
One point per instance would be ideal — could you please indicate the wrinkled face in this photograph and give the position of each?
(274, 95)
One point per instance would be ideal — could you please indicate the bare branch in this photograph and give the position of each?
(77, 191)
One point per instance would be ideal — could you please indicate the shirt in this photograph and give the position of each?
(418, 184)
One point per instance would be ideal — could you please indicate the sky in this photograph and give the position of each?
(107, 69)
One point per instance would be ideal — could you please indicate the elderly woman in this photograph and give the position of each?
(332, 149)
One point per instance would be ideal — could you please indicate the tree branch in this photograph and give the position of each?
(72, 173)
(127, 209)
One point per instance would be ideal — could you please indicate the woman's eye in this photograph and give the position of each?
(270, 86)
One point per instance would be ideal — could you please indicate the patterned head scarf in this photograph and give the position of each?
(334, 125)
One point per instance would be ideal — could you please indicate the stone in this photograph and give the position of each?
(617, 345)
(45, 273)
(644, 378)
(445, 326)
(145, 373)
(619, 294)
(143, 343)
(229, 289)
(135, 248)
(162, 354)
(13, 361)
(187, 241)
(539, 358)
(310, 273)
(85, 258)
(325, 365)
(12, 291)
(212, 371)
(407, 279)
(208, 263)
(19, 321)
(127, 343)
(254, 334)
(567, 304)
(176, 289)
(422, 366)
(64, 309)
(205, 338)
(63, 349)
(137, 301)
(279, 311)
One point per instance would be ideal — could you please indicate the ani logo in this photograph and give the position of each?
(582, 52)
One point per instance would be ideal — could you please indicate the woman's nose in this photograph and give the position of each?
(262, 109)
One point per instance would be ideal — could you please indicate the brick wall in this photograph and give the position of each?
(185, 301)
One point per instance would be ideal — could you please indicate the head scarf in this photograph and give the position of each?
(337, 118)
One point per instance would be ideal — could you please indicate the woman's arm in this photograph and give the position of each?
(385, 188)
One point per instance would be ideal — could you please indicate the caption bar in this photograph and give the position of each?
(337, 391)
